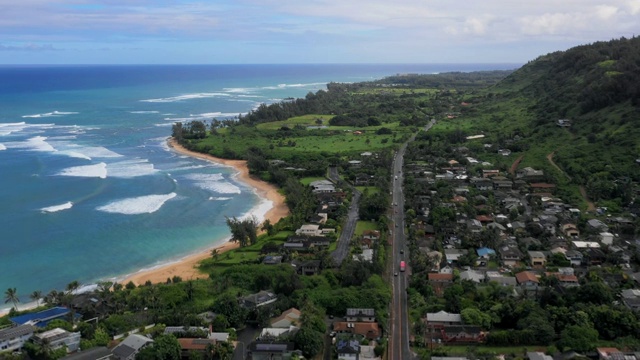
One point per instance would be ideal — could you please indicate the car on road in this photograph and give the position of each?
(395, 273)
(401, 251)
(396, 225)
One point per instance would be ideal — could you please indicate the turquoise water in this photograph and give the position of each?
(88, 188)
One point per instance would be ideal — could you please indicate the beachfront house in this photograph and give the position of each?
(130, 346)
(12, 339)
(57, 338)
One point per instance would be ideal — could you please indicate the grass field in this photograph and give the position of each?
(370, 189)
(304, 120)
(361, 226)
(308, 180)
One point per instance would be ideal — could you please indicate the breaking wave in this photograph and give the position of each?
(138, 205)
(56, 208)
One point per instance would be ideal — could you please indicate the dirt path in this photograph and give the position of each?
(590, 205)
(550, 158)
(514, 166)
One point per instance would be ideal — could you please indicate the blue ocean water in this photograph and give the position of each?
(88, 188)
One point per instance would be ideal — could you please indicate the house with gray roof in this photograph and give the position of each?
(130, 346)
(348, 350)
(57, 338)
(97, 353)
(360, 315)
(472, 275)
(258, 299)
(442, 318)
(12, 339)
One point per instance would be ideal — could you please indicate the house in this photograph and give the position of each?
(319, 218)
(275, 333)
(536, 355)
(348, 350)
(452, 255)
(258, 299)
(564, 279)
(130, 346)
(440, 281)
(575, 257)
(486, 173)
(605, 353)
(461, 334)
(631, 298)
(606, 238)
(495, 276)
(442, 318)
(307, 267)
(12, 338)
(286, 319)
(542, 188)
(191, 345)
(530, 174)
(594, 256)
(360, 315)
(537, 259)
(585, 244)
(485, 252)
(272, 260)
(371, 234)
(370, 330)
(474, 226)
(597, 225)
(483, 184)
(504, 184)
(368, 352)
(504, 152)
(309, 230)
(267, 349)
(527, 280)
(570, 230)
(472, 275)
(562, 123)
(510, 255)
(42, 318)
(57, 338)
(96, 353)
(306, 243)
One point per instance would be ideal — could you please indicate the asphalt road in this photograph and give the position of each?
(349, 227)
(400, 332)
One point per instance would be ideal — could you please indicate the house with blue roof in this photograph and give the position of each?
(485, 252)
(42, 318)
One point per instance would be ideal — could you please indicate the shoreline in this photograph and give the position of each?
(186, 267)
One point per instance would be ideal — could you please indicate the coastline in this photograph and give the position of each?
(186, 268)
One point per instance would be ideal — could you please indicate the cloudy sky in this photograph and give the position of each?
(304, 31)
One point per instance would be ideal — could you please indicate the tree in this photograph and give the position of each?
(309, 341)
(36, 296)
(578, 338)
(244, 231)
(164, 347)
(473, 316)
(11, 295)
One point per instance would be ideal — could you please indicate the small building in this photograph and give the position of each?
(360, 315)
(12, 339)
(531, 355)
(440, 281)
(57, 338)
(527, 280)
(530, 174)
(369, 330)
(194, 345)
(307, 267)
(606, 238)
(309, 230)
(442, 318)
(366, 256)
(464, 334)
(570, 230)
(606, 353)
(270, 350)
(502, 280)
(130, 346)
(286, 319)
(272, 260)
(452, 255)
(485, 252)
(472, 275)
(574, 256)
(348, 349)
(597, 225)
(96, 353)
(258, 299)
(510, 255)
(538, 259)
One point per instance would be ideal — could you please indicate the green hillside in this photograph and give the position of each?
(597, 88)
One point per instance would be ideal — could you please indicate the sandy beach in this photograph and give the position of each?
(186, 267)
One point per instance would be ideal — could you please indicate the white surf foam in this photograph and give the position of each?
(212, 198)
(75, 154)
(95, 170)
(213, 183)
(144, 112)
(138, 205)
(38, 143)
(56, 208)
(50, 114)
(2, 147)
(185, 97)
(203, 116)
(130, 168)
(99, 152)
(284, 86)
(259, 211)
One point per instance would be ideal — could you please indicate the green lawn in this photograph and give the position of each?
(308, 180)
(304, 120)
(361, 226)
(370, 189)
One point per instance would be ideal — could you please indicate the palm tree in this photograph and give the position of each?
(11, 295)
(36, 296)
(73, 286)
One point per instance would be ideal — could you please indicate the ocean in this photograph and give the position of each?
(90, 191)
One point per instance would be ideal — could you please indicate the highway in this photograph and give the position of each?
(399, 341)
(399, 333)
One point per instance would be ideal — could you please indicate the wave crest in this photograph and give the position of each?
(56, 208)
(138, 205)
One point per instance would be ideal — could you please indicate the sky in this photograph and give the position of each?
(304, 31)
